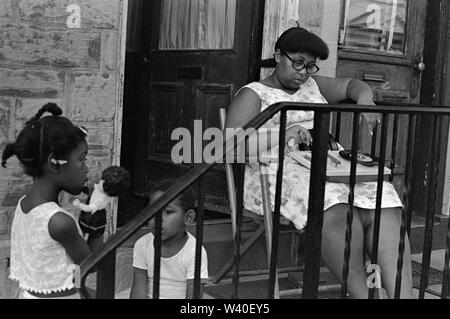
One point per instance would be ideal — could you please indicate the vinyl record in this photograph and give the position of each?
(362, 158)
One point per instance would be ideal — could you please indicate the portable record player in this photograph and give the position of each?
(339, 165)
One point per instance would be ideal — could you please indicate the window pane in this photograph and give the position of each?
(374, 25)
(197, 24)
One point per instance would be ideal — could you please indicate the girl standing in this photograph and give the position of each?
(46, 241)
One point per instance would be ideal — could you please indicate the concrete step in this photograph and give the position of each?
(217, 239)
(417, 234)
(218, 242)
(219, 245)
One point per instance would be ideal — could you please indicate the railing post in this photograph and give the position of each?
(351, 197)
(237, 236)
(106, 276)
(408, 194)
(157, 254)
(315, 205)
(377, 219)
(407, 200)
(276, 215)
(199, 239)
(432, 173)
(445, 276)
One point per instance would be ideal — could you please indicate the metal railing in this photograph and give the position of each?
(313, 231)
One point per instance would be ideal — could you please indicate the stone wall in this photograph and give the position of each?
(43, 58)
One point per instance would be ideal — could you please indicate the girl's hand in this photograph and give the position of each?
(299, 134)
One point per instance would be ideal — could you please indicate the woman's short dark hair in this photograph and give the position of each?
(299, 40)
(43, 136)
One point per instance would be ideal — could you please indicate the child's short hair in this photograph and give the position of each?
(43, 136)
(186, 198)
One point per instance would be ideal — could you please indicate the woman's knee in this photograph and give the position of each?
(335, 216)
(391, 218)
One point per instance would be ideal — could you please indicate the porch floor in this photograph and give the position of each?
(255, 287)
(217, 237)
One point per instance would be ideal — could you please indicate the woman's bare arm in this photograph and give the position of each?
(336, 90)
(244, 107)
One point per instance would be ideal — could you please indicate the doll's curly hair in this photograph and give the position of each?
(116, 180)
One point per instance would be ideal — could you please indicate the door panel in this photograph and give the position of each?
(170, 96)
(209, 98)
(391, 72)
(198, 57)
(381, 42)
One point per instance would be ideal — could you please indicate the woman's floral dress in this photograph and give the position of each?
(295, 191)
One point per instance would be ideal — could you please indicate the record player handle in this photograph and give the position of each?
(334, 159)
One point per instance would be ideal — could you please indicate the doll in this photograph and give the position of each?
(114, 181)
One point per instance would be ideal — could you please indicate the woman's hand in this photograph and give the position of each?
(297, 134)
(372, 120)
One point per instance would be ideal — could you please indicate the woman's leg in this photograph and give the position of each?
(333, 247)
(388, 251)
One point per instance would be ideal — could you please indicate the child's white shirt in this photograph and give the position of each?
(175, 271)
(38, 262)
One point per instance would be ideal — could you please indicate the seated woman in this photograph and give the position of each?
(296, 52)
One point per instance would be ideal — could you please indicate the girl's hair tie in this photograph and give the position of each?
(58, 162)
(84, 130)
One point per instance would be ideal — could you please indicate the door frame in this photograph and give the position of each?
(434, 91)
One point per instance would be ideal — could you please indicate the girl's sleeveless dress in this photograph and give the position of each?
(38, 262)
(296, 178)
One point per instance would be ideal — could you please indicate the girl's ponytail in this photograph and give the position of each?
(8, 152)
(52, 108)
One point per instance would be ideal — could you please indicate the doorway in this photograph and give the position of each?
(191, 59)
(382, 42)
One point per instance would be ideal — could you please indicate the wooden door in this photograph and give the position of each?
(199, 56)
(381, 42)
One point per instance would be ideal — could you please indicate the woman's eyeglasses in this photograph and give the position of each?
(300, 65)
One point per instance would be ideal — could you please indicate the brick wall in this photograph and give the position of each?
(81, 69)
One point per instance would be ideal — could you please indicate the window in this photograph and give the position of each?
(374, 25)
(197, 24)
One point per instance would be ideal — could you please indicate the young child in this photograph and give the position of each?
(177, 252)
(46, 240)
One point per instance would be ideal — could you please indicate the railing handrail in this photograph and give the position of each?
(193, 175)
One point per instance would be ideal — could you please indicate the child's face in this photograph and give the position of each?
(173, 218)
(74, 173)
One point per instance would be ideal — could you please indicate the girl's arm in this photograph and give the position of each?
(140, 284)
(63, 229)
